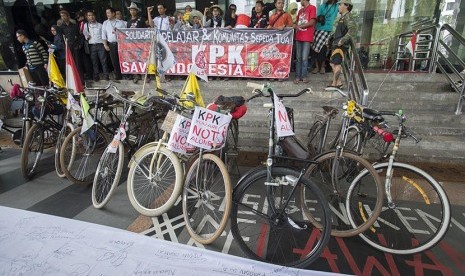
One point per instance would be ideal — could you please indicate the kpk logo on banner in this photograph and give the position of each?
(209, 128)
(178, 135)
(283, 125)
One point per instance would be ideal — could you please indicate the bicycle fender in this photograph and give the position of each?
(137, 153)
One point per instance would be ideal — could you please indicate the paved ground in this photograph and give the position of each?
(47, 193)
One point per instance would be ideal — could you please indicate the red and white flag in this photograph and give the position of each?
(411, 44)
(73, 80)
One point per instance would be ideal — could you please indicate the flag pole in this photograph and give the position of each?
(151, 52)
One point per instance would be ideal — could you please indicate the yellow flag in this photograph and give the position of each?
(87, 120)
(192, 87)
(54, 73)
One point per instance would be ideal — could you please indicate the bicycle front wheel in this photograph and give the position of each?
(206, 198)
(32, 150)
(80, 154)
(154, 180)
(334, 175)
(269, 224)
(416, 212)
(107, 175)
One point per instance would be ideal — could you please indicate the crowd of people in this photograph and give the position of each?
(94, 45)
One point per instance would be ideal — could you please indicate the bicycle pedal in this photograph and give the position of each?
(271, 184)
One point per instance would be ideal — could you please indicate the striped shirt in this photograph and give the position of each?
(35, 54)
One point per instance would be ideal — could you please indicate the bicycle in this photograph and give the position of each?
(266, 218)
(80, 152)
(139, 129)
(407, 188)
(156, 177)
(44, 132)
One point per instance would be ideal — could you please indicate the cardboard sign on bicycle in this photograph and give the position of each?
(283, 124)
(178, 136)
(209, 128)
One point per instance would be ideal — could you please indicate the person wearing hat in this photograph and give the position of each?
(346, 30)
(217, 17)
(187, 13)
(135, 21)
(72, 35)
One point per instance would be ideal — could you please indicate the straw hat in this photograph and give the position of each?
(347, 2)
(217, 7)
(133, 6)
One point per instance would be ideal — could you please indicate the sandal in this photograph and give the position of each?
(305, 80)
(296, 81)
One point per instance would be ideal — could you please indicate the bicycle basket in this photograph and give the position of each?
(168, 123)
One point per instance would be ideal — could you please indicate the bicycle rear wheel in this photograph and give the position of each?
(107, 175)
(80, 154)
(334, 177)
(415, 220)
(32, 150)
(154, 181)
(315, 138)
(206, 198)
(269, 224)
(66, 129)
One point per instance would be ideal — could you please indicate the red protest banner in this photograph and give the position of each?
(256, 53)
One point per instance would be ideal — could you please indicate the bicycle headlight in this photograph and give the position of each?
(41, 99)
(29, 97)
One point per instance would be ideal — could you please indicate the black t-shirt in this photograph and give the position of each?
(71, 33)
(259, 21)
(137, 23)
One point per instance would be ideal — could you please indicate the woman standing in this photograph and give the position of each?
(58, 47)
(325, 17)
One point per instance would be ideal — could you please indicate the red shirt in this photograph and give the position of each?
(304, 16)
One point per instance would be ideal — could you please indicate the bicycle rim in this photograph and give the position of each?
(418, 217)
(32, 151)
(67, 129)
(334, 180)
(153, 192)
(270, 231)
(107, 176)
(206, 198)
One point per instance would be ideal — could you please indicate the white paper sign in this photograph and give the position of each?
(209, 128)
(283, 125)
(178, 135)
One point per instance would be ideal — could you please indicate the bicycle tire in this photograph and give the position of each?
(230, 151)
(264, 235)
(107, 175)
(34, 143)
(86, 149)
(348, 167)
(214, 196)
(413, 192)
(154, 199)
(315, 138)
(61, 138)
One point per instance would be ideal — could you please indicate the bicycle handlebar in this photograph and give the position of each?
(261, 87)
(110, 83)
(335, 89)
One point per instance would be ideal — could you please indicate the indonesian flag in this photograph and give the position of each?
(411, 44)
(73, 81)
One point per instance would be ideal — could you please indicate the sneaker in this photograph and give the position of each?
(315, 70)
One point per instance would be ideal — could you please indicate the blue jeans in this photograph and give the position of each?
(302, 52)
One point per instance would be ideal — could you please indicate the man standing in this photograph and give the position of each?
(71, 32)
(93, 34)
(280, 19)
(110, 42)
(346, 30)
(304, 28)
(36, 58)
(261, 19)
(135, 21)
(161, 22)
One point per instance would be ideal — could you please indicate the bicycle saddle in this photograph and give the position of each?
(372, 115)
(329, 110)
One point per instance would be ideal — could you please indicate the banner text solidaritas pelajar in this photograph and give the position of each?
(219, 52)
